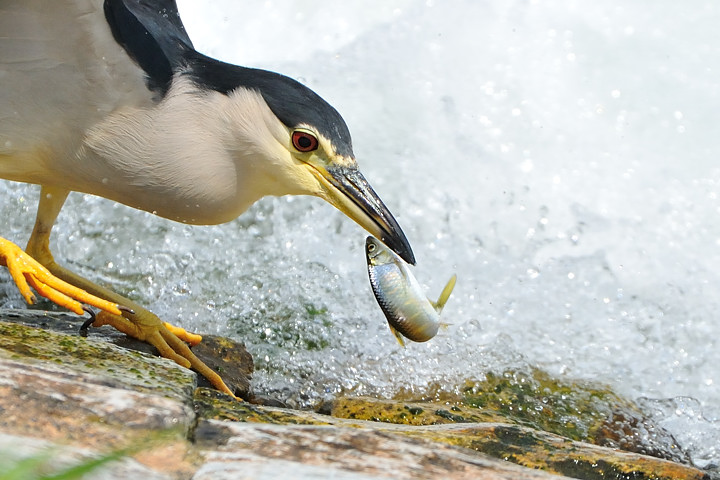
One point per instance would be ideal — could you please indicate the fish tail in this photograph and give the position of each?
(445, 294)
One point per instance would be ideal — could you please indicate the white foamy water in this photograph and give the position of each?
(562, 157)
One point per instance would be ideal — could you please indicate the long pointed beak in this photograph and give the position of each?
(350, 193)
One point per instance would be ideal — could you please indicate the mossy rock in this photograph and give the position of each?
(409, 413)
(213, 405)
(118, 366)
(575, 410)
(553, 453)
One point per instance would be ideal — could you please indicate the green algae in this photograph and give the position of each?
(141, 371)
(211, 404)
(532, 398)
(407, 413)
(540, 450)
(579, 411)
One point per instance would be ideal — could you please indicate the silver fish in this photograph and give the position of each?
(408, 311)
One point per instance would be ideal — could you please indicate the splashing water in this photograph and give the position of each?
(561, 158)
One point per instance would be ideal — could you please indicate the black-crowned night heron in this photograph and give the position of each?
(111, 99)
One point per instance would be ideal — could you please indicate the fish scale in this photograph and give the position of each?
(391, 293)
(409, 313)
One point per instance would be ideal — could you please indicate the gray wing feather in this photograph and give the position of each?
(58, 59)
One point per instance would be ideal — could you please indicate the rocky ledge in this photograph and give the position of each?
(94, 407)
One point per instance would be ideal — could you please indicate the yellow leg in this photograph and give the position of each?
(36, 267)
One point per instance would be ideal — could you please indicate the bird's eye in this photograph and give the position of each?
(304, 141)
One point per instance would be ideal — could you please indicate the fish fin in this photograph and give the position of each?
(445, 326)
(445, 294)
(405, 272)
(398, 336)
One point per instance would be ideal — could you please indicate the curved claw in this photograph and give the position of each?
(86, 324)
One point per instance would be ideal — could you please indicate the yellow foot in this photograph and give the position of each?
(167, 338)
(27, 272)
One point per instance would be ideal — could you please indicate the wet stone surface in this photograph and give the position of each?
(229, 359)
(94, 397)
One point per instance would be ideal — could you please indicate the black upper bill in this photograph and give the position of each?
(352, 184)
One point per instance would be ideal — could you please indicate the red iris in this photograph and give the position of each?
(304, 141)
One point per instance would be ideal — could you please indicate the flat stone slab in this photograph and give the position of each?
(300, 452)
(49, 401)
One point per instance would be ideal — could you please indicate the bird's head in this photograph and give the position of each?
(304, 144)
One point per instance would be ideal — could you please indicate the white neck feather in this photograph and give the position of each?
(185, 158)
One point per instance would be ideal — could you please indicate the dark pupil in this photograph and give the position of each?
(304, 142)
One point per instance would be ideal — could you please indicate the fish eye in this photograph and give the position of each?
(304, 141)
(371, 248)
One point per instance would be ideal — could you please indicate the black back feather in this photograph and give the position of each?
(152, 33)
